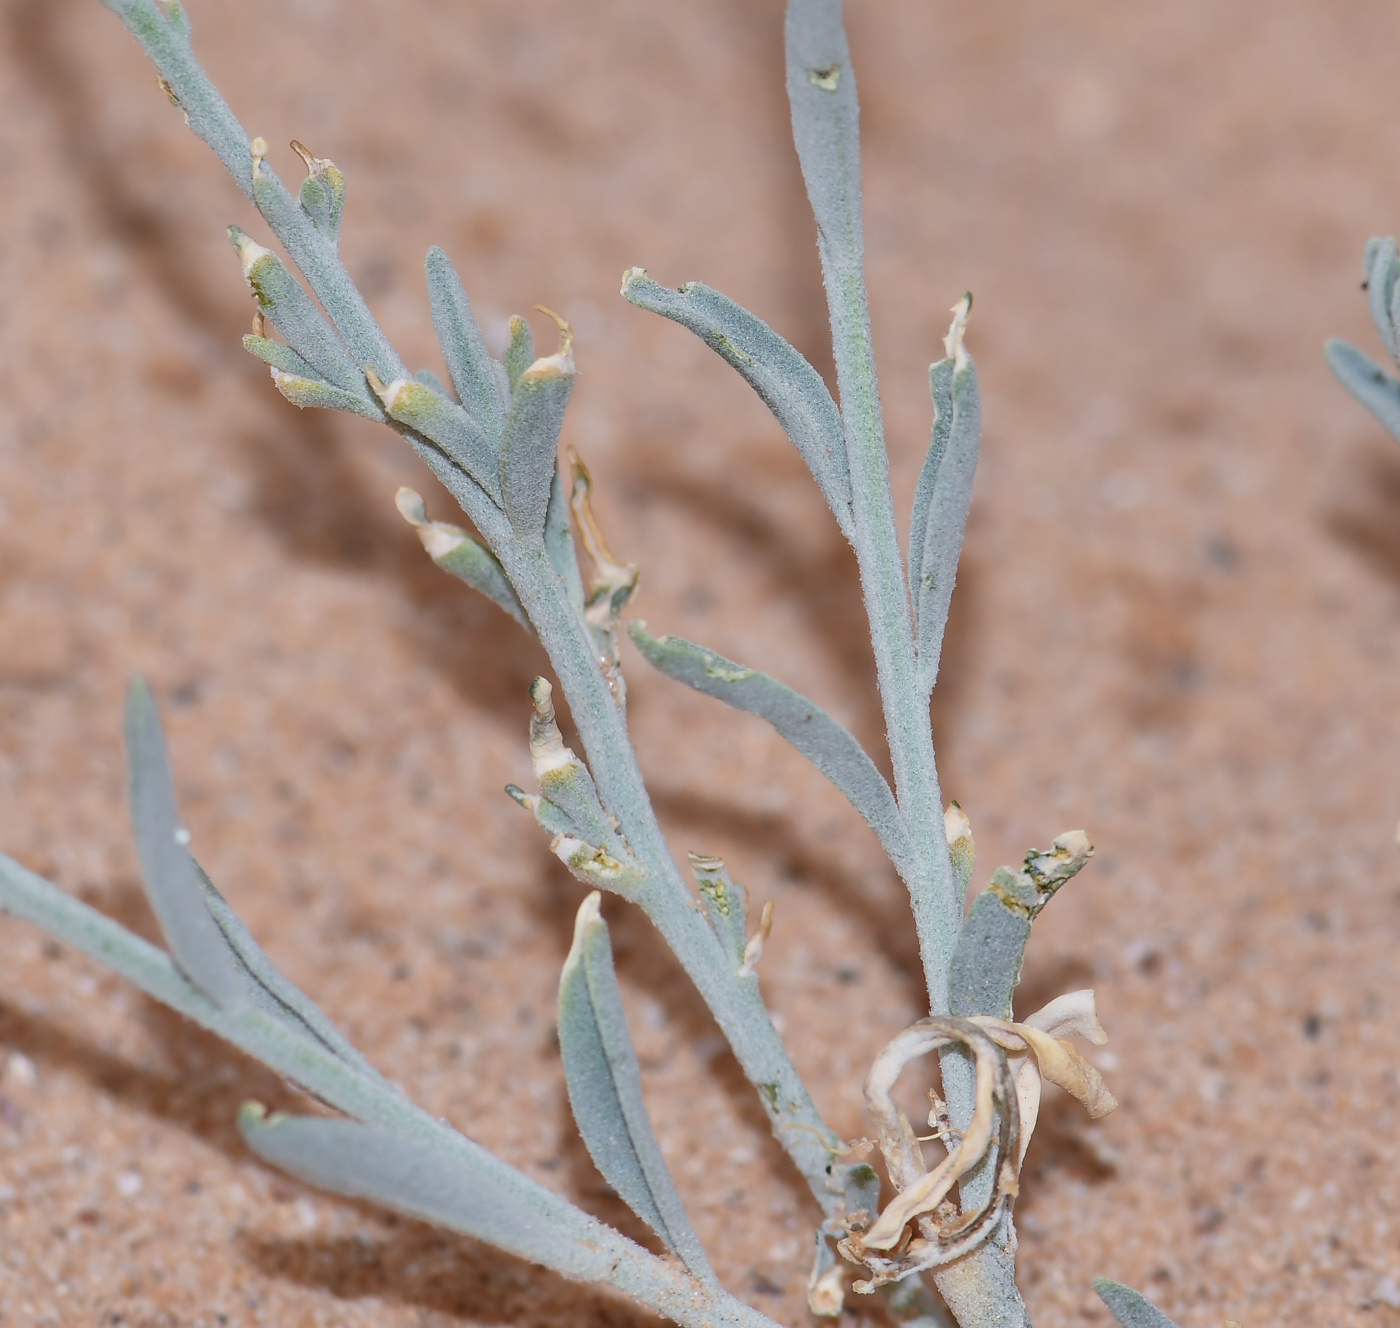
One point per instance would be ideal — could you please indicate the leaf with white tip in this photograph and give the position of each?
(786, 383)
(463, 1188)
(530, 443)
(1131, 1308)
(725, 902)
(441, 420)
(605, 1089)
(293, 313)
(322, 193)
(1375, 389)
(941, 501)
(823, 741)
(314, 392)
(172, 880)
(470, 366)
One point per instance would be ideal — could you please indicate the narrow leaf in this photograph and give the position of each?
(725, 902)
(530, 444)
(463, 1189)
(1129, 1307)
(785, 382)
(559, 541)
(293, 313)
(279, 356)
(314, 392)
(452, 549)
(520, 351)
(1382, 288)
(270, 991)
(823, 741)
(940, 505)
(563, 778)
(826, 125)
(992, 943)
(429, 379)
(322, 193)
(463, 350)
(172, 880)
(1367, 382)
(605, 1089)
(440, 419)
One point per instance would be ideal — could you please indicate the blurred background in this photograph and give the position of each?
(1176, 626)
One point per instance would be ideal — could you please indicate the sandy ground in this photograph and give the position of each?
(1178, 625)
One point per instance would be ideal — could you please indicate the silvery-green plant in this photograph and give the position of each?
(492, 438)
(1370, 384)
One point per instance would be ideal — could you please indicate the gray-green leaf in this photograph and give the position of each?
(293, 313)
(605, 1089)
(1129, 1307)
(785, 382)
(172, 880)
(1375, 389)
(823, 741)
(1383, 290)
(725, 902)
(940, 506)
(463, 350)
(462, 1188)
(530, 444)
(444, 422)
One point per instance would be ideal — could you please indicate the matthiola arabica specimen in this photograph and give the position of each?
(490, 432)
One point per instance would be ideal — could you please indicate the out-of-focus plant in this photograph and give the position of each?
(1371, 385)
(490, 432)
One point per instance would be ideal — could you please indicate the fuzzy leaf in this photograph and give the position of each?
(605, 1089)
(471, 368)
(530, 443)
(304, 392)
(279, 356)
(559, 541)
(1129, 1307)
(725, 902)
(322, 193)
(444, 422)
(1382, 290)
(783, 379)
(1375, 389)
(564, 779)
(824, 742)
(992, 943)
(463, 1189)
(452, 549)
(172, 880)
(429, 379)
(520, 351)
(940, 505)
(293, 313)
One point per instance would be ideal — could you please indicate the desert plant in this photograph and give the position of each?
(492, 438)
(1371, 385)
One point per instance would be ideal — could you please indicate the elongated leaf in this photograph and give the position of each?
(826, 125)
(270, 992)
(605, 1089)
(293, 313)
(530, 444)
(429, 379)
(464, 1189)
(824, 742)
(279, 356)
(1129, 1307)
(559, 541)
(940, 505)
(439, 418)
(726, 904)
(1367, 382)
(313, 392)
(1383, 289)
(783, 379)
(520, 352)
(463, 350)
(992, 943)
(172, 880)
